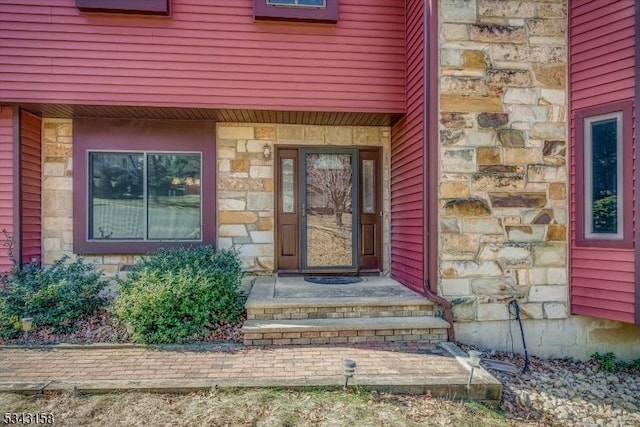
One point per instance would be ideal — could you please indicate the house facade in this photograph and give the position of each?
(483, 147)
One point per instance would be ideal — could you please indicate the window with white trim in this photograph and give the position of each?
(604, 175)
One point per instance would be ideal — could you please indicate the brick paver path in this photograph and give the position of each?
(279, 366)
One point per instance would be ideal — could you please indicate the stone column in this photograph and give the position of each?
(503, 173)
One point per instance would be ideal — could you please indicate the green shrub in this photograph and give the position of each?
(606, 361)
(178, 295)
(610, 363)
(58, 297)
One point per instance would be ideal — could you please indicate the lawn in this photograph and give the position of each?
(256, 407)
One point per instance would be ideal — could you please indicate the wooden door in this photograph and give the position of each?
(355, 225)
(287, 210)
(370, 211)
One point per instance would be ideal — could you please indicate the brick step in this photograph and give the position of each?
(335, 309)
(344, 330)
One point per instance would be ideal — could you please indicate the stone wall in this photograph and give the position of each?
(246, 182)
(503, 173)
(57, 202)
(245, 185)
(57, 185)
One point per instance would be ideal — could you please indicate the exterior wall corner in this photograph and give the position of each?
(502, 176)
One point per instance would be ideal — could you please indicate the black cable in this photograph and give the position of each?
(514, 309)
(511, 332)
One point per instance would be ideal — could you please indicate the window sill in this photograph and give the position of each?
(146, 7)
(93, 247)
(328, 14)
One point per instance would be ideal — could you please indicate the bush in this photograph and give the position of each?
(58, 297)
(178, 295)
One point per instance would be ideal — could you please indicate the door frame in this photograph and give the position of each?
(288, 257)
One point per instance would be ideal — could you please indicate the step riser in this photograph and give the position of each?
(338, 312)
(429, 335)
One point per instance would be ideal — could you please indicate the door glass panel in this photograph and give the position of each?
(288, 198)
(328, 210)
(368, 187)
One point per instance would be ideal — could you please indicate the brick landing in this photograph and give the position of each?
(407, 368)
(290, 311)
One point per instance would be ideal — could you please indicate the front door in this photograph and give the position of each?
(328, 210)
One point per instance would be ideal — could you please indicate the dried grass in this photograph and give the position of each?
(257, 407)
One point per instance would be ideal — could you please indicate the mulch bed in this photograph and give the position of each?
(100, 328)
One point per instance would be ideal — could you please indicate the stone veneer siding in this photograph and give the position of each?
(245, 187)
(503, 173)
(246, 182)
(57, 202)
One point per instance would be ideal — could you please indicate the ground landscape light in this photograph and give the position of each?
(474, 358)
(27, 324)
(348, 370)
(474, 362)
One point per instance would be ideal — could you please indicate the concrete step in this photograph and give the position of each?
(427, 329)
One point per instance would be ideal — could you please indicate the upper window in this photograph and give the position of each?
(146, 7)
(301, 3)
(296, 10)
(142, 184)
(603, 149)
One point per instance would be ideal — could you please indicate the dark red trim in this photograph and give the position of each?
(430, 150)
(146, 7)
(571, 143)
(30, 196)
(17, 248)
(627, 174)
(327, 14)
(151, 135)
(637, 169)
(431, 140)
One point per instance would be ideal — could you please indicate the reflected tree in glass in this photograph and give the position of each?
(329, 176)
(117, 206)
(174, 199)
(604, 184)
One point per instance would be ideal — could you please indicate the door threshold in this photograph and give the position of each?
(318, 273)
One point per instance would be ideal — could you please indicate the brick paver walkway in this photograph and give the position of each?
(412, 367)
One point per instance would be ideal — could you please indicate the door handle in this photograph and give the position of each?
(304, 209)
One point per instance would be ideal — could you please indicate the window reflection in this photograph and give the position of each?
(117, 205)
(288, 198)
(130, 204)
(604, 163)
(173, 200)
(368, 187)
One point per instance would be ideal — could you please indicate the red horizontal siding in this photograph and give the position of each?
(407, 163)
(602, 70)
(602, 41)
(6, 183)
(30, 187)
(208, 54)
